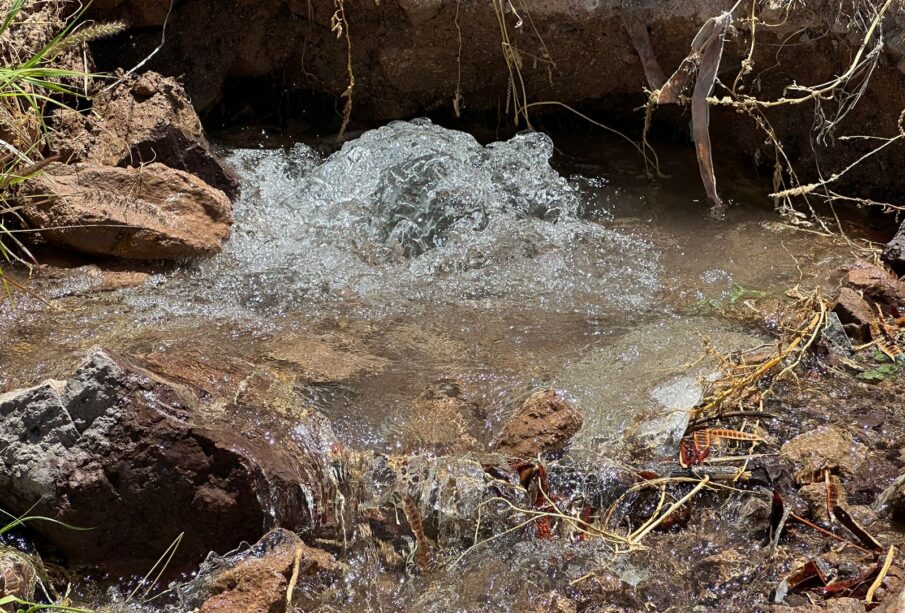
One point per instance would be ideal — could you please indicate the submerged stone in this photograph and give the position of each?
(18, 574)
(829, 448)
(258, 577)
(657, 431)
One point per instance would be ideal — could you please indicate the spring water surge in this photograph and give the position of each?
(416, 258)
(411, 216)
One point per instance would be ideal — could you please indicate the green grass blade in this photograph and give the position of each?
(11, 15)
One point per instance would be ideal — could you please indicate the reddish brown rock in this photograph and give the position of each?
(57, 281)
(113, 280)
(441, 421)
(877, 284)
(142, 120)
(258, 580)
(824, 448)
(545, 422)
(854, 312)
(153, 212)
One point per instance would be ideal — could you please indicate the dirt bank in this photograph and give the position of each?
(412, 57)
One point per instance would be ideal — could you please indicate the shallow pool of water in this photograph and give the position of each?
(415, 257)
(446, 259)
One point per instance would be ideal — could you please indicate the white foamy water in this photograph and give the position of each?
(409, 216)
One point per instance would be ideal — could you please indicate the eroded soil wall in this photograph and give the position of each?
(414, 56)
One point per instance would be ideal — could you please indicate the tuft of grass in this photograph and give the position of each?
(29, 90)
(26, 606)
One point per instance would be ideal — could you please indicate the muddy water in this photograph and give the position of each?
(416, 257)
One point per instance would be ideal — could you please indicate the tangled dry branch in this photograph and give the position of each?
(832, 100)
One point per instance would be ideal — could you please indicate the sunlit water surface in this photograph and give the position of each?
(433, 258)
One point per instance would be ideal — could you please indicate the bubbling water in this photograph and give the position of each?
(413, 214)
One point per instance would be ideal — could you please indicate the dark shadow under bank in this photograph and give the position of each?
(282, 64)
(262, 112)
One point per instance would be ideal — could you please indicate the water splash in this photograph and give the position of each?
(413, 215)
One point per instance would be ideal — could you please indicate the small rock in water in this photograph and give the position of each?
(319, 361)
(815, 496)
(824, 448)
(257, 579)
(722, 567)
(658, 431)
(875, 281)
(853, 312)
(835, 335)
(440, 421)
(892, 500)
(545, 422)
(554, 602)
(17, 574)
(121, 279)
(870, 420)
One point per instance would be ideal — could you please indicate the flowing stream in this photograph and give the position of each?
(416, 256)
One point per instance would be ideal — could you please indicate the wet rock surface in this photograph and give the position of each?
(53, 282)
(441, 421)
(657, 431)
(829, 448)
(152, 212)
(258, 578)
(133, 458)
(545, 422)
(892, 500)
(877, 284)
(894, 253)
(142, 120)
(854, 312)
(18, 574)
